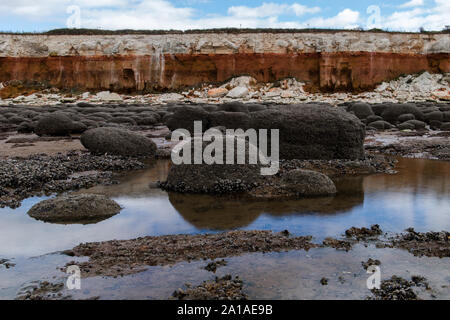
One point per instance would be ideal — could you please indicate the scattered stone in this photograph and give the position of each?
(395, 288)
(430, 244)
(324, 281)
(225, 288)
(217, 92)
(370, 262)
(108, 96)
(238, 92)
(337, 244)
(42, 290)
(212, 266)
(364, 233)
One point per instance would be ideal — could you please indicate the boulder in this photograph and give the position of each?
(307, 183)
(435, 115)
(213, 178)
(81, 208)
(238, 92)
(445, 126)
(406, 126)
(435, 125)
(184, 117)
(312, 131)
(25, 127)
(116, 141)
(406, 117)
(217, 92)
(54, 124)
(360, 109)
(381, 125)
(108, 96)
(233, 107)
(416, 123)
(230, 120)
(307, 131)
(373, 118)
(393, 111)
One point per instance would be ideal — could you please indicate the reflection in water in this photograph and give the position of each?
(418, 196)
(222, 213)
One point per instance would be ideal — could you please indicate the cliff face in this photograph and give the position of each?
(350, 61)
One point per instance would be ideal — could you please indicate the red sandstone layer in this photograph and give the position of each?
(326, 71)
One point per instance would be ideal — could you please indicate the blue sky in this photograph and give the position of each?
(401, 15)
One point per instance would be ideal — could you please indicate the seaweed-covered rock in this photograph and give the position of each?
(117, 141)
(393, 111)
(360, 109)
(312, 131)
(54, 124)
(82, 208)
(307, 183)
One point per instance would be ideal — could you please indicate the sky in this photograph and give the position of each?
(394, 15)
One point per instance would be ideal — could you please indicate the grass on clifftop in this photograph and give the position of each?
(90, 32)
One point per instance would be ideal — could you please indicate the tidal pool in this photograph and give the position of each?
(417, 196)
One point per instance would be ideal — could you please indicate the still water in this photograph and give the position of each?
(417, 196)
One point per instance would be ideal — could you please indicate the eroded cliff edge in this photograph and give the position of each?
(325, 61)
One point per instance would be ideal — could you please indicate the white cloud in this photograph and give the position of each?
(271, 10)
(165, 14)
(412, 3)
(346, 19)
(434, 18)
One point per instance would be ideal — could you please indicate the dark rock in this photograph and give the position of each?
(123, 120)
(417, 124)
(117, 142)
(393, 111)
(184, 117)
(78, 127)
(406, 117)
(233, 107)
(435, 125)
(25, 127)
(445, 126)
(378, 109)
(312, 131)
(406, 126)
(82, 208)
(230, 120)
(307, 183)
(54, 124)
(436, 115)
(361, 110)
(16, 120)
(373, 118)
(381, 125)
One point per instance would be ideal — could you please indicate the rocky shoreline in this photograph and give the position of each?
(36, 175)
(122, 257)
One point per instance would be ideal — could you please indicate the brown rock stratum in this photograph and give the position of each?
(340, 61)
